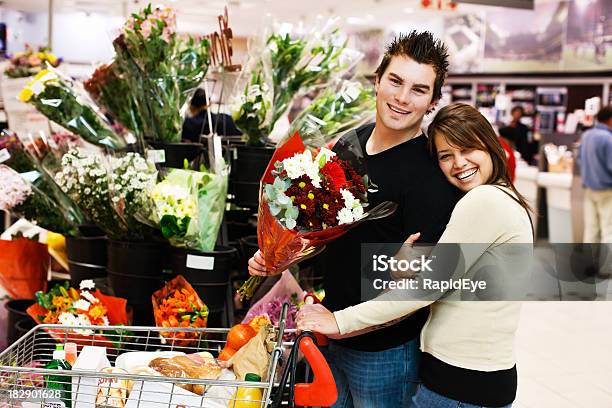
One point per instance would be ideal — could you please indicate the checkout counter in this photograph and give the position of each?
(555, 190)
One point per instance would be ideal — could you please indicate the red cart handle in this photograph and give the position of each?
(322, 391)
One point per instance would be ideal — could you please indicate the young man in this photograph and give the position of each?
(596, 167)
(380, 369)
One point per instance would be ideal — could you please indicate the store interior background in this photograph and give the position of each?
(549, 56)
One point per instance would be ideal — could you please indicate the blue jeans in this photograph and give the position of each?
(379, 379)
(426, 398)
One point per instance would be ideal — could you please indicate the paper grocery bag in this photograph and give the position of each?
(254, 357)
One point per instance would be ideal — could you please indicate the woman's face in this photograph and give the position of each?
(464, 168)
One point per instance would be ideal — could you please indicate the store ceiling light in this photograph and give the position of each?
(355, 21)
(522, 4)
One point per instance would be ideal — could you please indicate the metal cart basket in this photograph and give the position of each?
(24, 382)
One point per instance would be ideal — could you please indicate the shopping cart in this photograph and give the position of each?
(25, 383)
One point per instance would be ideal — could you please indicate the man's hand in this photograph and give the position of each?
(318, 319)
(257, 266)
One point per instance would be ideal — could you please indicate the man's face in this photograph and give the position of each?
(517, 114)
(404, 94)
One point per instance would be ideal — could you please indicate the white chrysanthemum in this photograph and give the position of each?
(295, 166)
(87, 284)
(345, 216)
(81, 304)
(67, 319)
(302, 164)
(349, 198)
(105, 321)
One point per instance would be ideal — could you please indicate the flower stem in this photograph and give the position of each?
(248, 288)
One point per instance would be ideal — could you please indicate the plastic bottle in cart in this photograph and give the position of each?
(71, 353)
(60, 382)
(247, 397)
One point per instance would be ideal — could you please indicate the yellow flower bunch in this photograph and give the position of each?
(37, 85)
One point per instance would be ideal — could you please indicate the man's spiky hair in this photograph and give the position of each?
(422, 47)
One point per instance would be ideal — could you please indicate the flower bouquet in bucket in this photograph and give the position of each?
(308, 199)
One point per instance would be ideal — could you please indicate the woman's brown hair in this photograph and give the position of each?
(464, 127)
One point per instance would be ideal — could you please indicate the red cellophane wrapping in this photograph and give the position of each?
(24, 265)
(117, 315)
(167, 314)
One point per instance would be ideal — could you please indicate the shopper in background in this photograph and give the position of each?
(380, 369)
(196, 120)
(517, 134)
(468, 345)
(596, 170)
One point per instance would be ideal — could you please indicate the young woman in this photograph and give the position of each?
(468, 347)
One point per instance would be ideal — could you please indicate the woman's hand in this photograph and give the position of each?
(406, 252)
(318, 319)
(257, 266)
(413, 238)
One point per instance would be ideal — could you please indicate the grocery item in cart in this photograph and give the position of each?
(254, 357)
(59, 381)
(185, 367)
(84, 388)
(112, 392)
(247, 397)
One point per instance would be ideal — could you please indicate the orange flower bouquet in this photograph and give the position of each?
(178, 305)
(71, 307)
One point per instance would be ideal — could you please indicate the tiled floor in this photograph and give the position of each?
(564, 352)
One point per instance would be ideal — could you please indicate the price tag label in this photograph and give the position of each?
(30, 176)
(4, 155)
(156, 156)
(206, 263)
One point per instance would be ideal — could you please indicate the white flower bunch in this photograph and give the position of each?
(131, 177)
(302, 164)
(109, 193)
(352, 211)
(84, 179)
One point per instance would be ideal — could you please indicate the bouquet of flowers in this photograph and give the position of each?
(339, 108)
(288, 63)
(27, 63)
(307, 200)
(109, 89)
(57, 98)
(130, 178)
(161, 69)
(23, 198)
(188, 207)
(178, 305)
(33, 156)
(68, 306)
(253, 111)
(111, 194)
